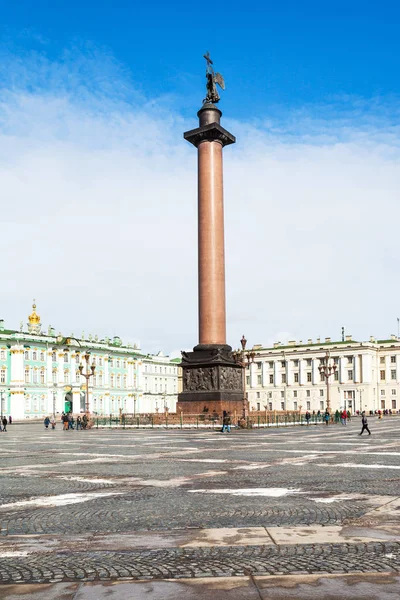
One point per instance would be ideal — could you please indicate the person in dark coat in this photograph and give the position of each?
(364, 422)
(5, 423)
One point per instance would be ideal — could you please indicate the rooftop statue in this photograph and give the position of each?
(212, 80)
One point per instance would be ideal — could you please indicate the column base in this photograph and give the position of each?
(212, 381)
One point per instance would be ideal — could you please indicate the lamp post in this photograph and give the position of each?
(240, 357)
(327, 369)
(87, 376)
(1, 403)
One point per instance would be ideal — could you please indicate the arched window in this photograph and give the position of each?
(2, 376)
(77, 376)
(35, 403)
(42, 356)
(26, 355)
(54, 375)
(27, 376)
(66, 376)
(101, 379)
(118, 380)
(42, 376)
(54, 357)
(34, 355)
(112, 380)
(34, 376)
(65, 357)
(27, 404)
(43, 404)
(125, 381)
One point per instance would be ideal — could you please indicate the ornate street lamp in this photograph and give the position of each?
(327, 369)
(87, 376)
(244, 359)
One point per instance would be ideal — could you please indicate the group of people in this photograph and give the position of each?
(68, 421)
(343, 416)
(4, 423)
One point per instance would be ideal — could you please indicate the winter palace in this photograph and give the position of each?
(40, 374)
(364, 375)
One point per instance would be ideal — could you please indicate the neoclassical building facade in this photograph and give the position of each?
(40, 374)
(366, 375)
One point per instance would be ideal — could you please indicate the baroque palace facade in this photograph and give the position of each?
(39, 375)
(287, 377)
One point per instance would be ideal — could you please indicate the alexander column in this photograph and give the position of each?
(212, 381)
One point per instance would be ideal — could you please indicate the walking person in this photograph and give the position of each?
(308, 417)
(364, 422)
(53, 423)
(78, 423)
(47, 422)
(5, 423)
(326, 417)
(343, 417)
(226, 423)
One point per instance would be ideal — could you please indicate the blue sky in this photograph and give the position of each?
(271, 54)
(94, 98)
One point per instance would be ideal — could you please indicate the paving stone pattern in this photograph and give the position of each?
(162, 481)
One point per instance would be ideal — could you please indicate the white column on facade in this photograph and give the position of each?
(264, 373)
(366, 368)
(342, 378)
(130, 374)
(289, 372)
(106, 371)
(397, 365)
(302, 372)
(276, 373)
(356, 368)
(314, 371)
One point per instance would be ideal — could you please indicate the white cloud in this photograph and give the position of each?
(98, 211)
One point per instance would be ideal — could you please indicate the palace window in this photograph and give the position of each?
(54, 375)
(101, 379)
(100, 361)
(119, 381)
(124, 364)
(336, 360)
(34, 376)
(350, 375)
(271, 364)
(308, 393)
(383, 360)
(383, 375)
(26, 355)
(309, 376)
(350, 359)
(309, 362)
(259, 379)
(111, 362)
(42, 377)
(2, 376)
(283, 363)
(269, 405)
(258, 406)
(393, 403)
(295, 405)
(321, 392)
(308, 405)
(283, 377)
(296, 378)
(321, 405)
(94, 379)
(296, 363)
(112, 380)
(282, 394)
(27, 376)
(42, 356)
(118, 363)
(393, 374)
(321, 377)
(43, 404)
(34, 355)
(66, 376)
(269, 394)
(393, 359)
(336, 376)
(383, 393)
(394, 392)
(53, 357)
(271, 379)
(65, 357)
(257, 395)
(295, 394)
(3, 355)
(77, 376)
(27, 403)
(282, 406)
(125, 381)
(259, 365)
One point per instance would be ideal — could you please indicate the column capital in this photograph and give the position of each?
(213, 132)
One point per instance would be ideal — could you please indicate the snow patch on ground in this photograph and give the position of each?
(270, 492)
(60, 500)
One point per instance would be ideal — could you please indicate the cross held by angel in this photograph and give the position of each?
(212, 80)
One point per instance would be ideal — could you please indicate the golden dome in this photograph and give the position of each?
(34, 318)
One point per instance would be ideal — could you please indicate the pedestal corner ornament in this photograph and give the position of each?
(211, 379)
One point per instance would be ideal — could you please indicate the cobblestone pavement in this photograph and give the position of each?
(59, 490)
